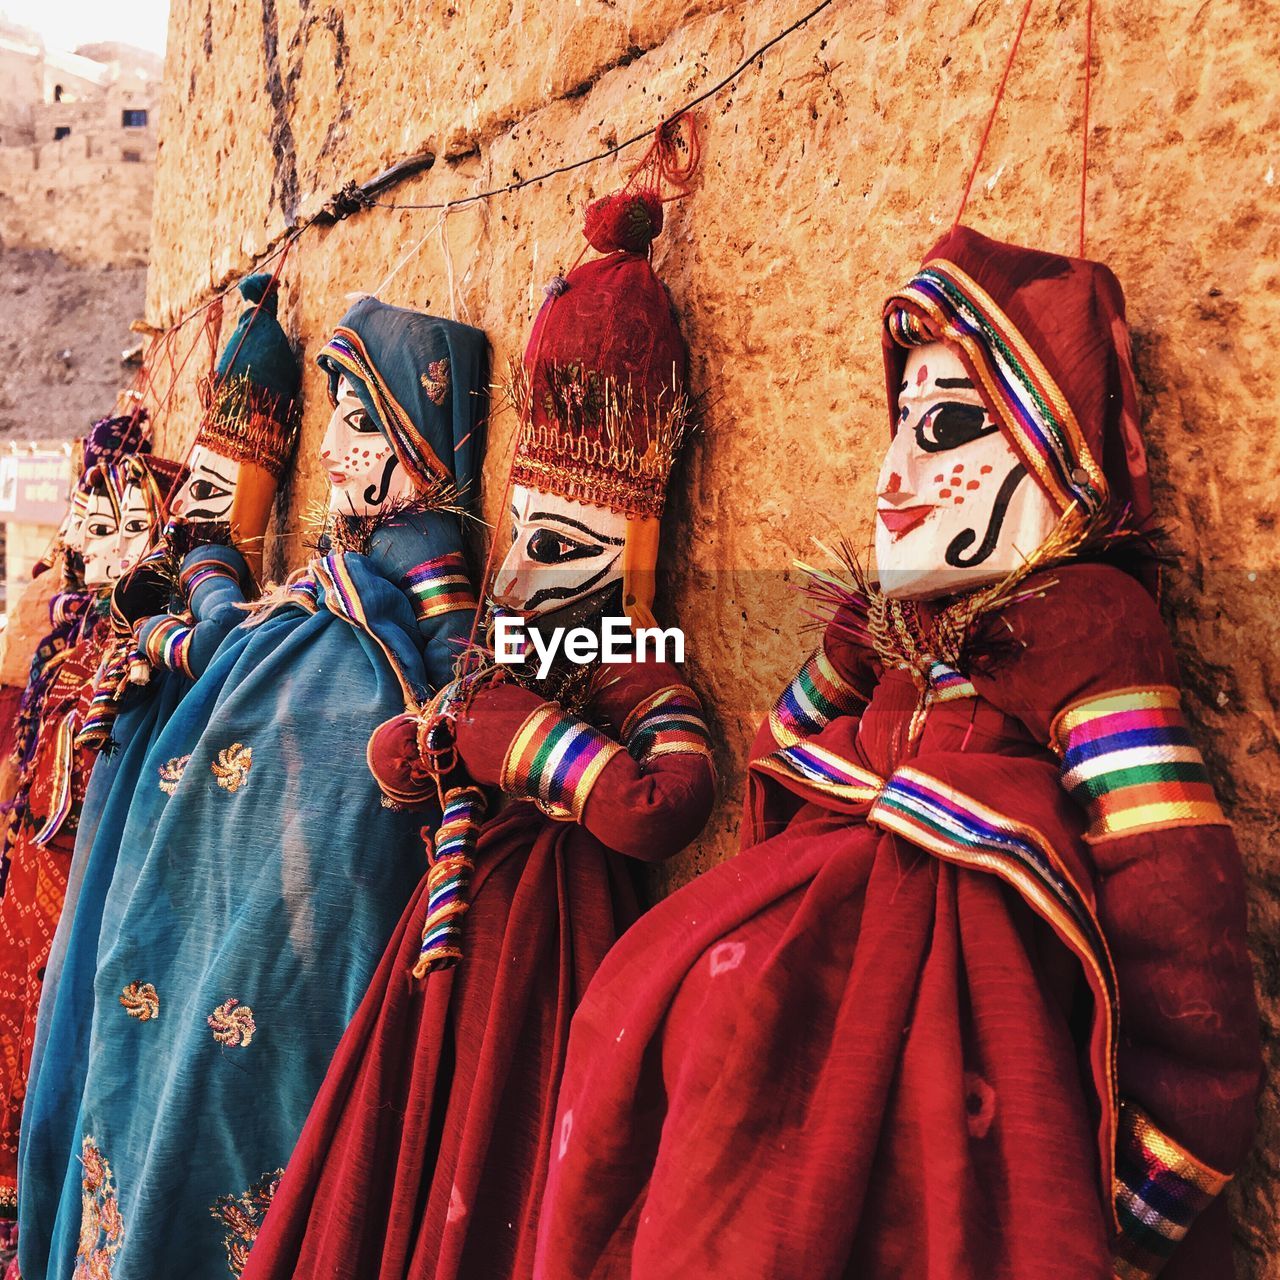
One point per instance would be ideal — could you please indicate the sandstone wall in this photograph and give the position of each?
(828, 169)
(80, 197)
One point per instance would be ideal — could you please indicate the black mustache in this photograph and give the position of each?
(376, 499)
(959, 544)
(567, 593)
(207, 513)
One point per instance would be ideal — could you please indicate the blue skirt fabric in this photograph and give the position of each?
(258, 878)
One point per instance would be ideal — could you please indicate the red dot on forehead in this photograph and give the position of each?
(922, 375)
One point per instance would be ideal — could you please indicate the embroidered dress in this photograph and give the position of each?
(974, 1000)
(259, 875)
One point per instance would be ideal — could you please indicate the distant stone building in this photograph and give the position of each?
(77, 148)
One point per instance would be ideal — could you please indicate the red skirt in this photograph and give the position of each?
(426, 1149)
(833, 1056)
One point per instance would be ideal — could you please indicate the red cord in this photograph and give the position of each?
(991, 119)
(1084, 144)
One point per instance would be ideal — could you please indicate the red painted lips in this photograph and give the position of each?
(900, 520)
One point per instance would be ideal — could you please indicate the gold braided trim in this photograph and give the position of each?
(247, 424)
(585, 448)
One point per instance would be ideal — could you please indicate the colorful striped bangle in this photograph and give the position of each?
(668, 722)
(814, 698)
(168, 645)
(199, 572)
(439, 586)
(1128, 759)
(555, 760)
(1160, 1189)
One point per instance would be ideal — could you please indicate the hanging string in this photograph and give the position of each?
(376, 291)
(991, 119)
(1084, 140)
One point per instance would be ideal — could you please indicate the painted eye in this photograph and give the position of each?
(204, 490)
(359, 420)
(548, 548)
(99, 529)
(950, 425)
(135, 527)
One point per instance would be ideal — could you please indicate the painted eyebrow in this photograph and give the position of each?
(213, 471)
(955, 384)
(575, 524)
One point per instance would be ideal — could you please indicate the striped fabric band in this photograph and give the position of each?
(815, 768)
(1159, 1190)
(555, 761)
(61, 789)
(816, 697)
(439, 586)
(199, 572)
(168, 645)
(1128, 759)
(668, 722)
(449, 880)
(342, 599)
(346, 351)
(1028, 400)
(946, 684)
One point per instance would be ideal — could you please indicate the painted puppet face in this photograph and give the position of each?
(562, 553)
(101, 540)
(209, 490)
(135, 528)
(364, 473)
(956, 507)
(71, 534)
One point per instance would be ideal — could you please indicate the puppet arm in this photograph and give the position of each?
(214, 583)
(645, 790)
(1094, 676)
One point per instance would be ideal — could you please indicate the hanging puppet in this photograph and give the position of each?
(259, 875)
(974, 1000)
(424, 1155)
(54, 771)
(164, 634)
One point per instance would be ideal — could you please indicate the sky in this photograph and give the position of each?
(64, 24)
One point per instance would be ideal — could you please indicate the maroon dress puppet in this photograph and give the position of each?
(974, 1001)
(425, 1153)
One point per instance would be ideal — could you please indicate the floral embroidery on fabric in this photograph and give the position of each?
(101, 1226)
(141, 1001)
(436, 380)
(232, 766)
(242, 1217)
(231, 1025)
(171, 773)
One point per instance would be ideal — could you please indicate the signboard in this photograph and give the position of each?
(34, 487)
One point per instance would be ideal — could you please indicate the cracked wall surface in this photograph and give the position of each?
(828, 169)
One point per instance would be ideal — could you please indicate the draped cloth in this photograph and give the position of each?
(258, 878)
(902, 1032)
(423, 1157)
(40, 837)
(49, 1121)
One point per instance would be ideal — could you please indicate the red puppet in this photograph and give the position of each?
(974, 1000)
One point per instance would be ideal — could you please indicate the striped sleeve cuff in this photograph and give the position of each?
(1128, 759)
(1160, 1189)
(668, 722)
(554, 760)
